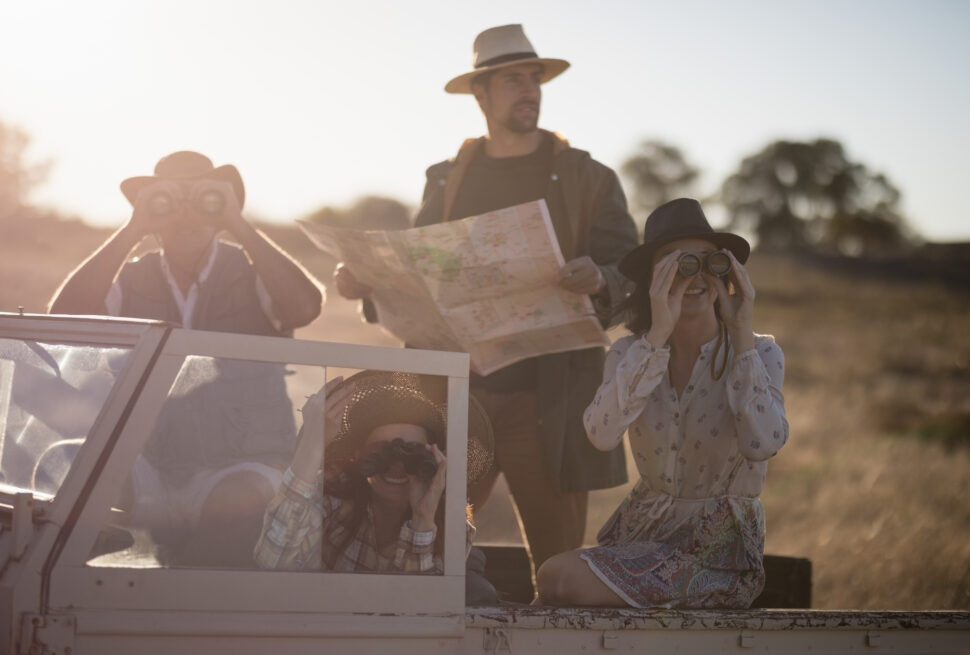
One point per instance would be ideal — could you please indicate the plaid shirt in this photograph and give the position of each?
(304, 529)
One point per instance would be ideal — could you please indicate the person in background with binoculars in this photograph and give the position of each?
(185, 205)
(203, 481)
(699, 394)
(364, 489)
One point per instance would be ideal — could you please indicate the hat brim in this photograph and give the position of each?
(346, 446)
(132, 186)
(638, 263)
(551, 68)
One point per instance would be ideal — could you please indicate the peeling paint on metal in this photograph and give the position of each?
(632, 619)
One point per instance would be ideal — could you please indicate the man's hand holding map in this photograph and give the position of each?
(485, 285)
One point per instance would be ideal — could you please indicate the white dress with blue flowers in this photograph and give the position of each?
(691, 532)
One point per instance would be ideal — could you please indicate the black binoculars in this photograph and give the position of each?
(716, 263)
(210, 203)
(418, 460)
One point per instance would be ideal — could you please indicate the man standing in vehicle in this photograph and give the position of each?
(185, 205)
(220, 443)
(535, 405)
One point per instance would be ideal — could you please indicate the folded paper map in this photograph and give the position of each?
(485, 285)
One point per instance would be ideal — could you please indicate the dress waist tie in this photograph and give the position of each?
(661, 503)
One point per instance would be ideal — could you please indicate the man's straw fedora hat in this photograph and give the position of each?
(501, 47)
(186, 165)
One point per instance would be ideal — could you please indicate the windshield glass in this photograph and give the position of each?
(217, 450)
(50, 395)
(231, 478)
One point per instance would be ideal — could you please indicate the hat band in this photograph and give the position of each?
(686, 230)
(501, 59)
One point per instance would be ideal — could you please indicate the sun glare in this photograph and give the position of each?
(320, 102)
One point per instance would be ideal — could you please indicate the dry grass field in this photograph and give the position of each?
(873, 486)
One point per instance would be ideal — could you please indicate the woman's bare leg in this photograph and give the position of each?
(566, 579)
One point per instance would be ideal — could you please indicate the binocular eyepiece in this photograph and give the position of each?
(418, 460)
(716, 263)
(209, 203)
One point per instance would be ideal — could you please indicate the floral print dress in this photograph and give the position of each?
(691, 532)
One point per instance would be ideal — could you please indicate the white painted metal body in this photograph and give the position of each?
(53, 599)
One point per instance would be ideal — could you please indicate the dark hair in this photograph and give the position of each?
(350, 485)
(636, 308)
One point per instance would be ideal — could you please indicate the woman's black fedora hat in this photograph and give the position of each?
(677, 219)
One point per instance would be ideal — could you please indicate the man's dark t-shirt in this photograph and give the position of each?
(491, 184)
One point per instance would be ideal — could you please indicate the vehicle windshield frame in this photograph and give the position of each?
(74, 584)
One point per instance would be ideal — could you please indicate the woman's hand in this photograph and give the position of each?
(666, 298)
(425, 496)
(322, 416)
(737, 310)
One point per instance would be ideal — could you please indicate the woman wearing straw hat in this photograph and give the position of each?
(700, 394)
(383, 469)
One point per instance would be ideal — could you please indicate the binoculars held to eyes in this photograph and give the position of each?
(716, 263)
(209, 203)
(418, 460)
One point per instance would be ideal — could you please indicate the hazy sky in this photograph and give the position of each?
(319, 102)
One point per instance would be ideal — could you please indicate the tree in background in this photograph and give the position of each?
(367, 213)
(17, 176)
(796, 195)
(656, 173)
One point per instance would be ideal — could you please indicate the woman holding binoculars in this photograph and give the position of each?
(699, 394)
(363, 492)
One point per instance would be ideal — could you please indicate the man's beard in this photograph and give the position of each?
(522, 125)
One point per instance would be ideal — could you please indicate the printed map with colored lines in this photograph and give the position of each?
(484, 285)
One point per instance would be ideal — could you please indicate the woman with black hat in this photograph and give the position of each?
(700, 394)
(377, 440)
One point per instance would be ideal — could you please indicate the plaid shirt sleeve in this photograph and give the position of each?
(292, 527)
(415, 551)
(293, 531)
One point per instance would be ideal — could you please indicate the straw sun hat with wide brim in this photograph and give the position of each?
(681, 218)
(384, 397)
(186, 165)
(501, 47)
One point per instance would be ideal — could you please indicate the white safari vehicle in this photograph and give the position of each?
(79, 400)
